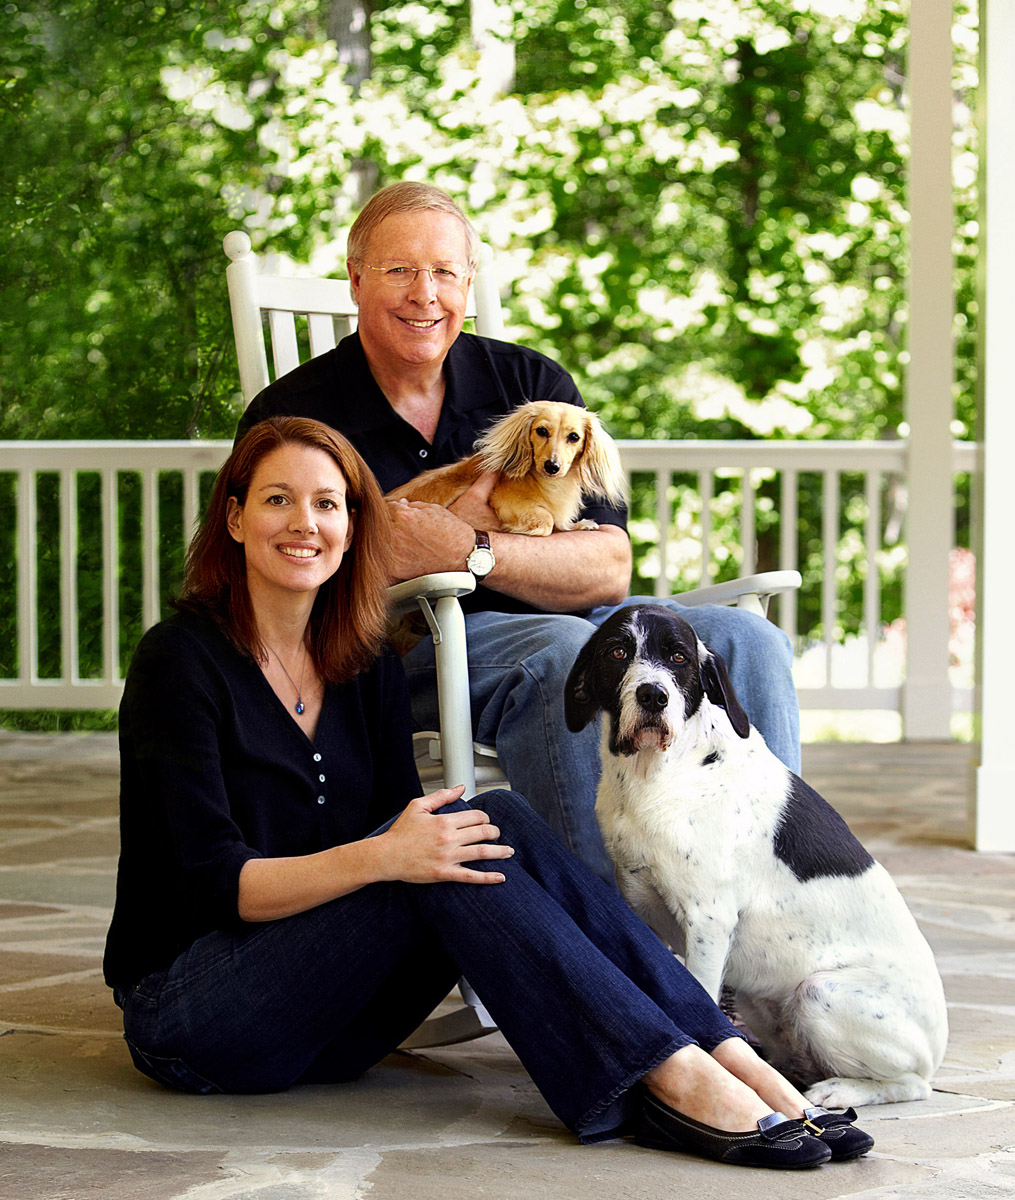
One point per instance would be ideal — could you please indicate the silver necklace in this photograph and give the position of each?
(300, 706)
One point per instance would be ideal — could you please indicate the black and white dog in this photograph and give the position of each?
(737, 863)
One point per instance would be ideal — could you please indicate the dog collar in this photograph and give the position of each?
(481, 560)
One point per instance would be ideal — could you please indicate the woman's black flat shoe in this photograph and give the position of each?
(777, 1142)
(837, 1131)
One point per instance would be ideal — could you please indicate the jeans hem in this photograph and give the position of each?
(589, 1139)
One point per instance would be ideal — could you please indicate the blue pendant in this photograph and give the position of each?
(300, 706)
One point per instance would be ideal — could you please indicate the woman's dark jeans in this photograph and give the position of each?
(587, 995)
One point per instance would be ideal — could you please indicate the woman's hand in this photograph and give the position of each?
(427, 846)
(422, 846)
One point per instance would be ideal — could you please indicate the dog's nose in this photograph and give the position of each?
(651, 696)
(551, 468)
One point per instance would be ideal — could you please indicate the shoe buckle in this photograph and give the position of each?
(807, 1123)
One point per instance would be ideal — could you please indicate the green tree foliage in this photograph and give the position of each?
(698, 209)
(114, 323)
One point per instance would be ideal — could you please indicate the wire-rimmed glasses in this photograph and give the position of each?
(400, 274)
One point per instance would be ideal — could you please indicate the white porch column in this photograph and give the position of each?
(993, 809)
(926, 698)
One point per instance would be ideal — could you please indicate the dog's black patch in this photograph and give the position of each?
(813, 840)
(709, 759)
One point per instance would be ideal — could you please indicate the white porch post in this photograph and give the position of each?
(926, 700)
(993, 809)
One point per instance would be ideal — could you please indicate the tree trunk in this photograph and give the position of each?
(348, 26)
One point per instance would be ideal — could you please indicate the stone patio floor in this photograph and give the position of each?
(77, 1121)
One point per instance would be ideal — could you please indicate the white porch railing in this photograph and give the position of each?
(25, 686)
(740, 469)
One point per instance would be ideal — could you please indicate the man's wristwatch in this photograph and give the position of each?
(481, 561)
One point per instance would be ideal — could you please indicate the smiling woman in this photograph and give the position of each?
(295, 526)
(271, 560)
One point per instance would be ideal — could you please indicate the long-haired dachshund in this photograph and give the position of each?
(547, 454)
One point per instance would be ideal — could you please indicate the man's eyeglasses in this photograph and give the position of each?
(443, 274)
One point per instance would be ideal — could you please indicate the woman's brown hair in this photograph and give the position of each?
(346, 627)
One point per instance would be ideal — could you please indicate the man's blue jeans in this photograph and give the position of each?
(518, 666)
(587, 995)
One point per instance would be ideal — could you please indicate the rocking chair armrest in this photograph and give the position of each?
(751, 591)
(404, 597)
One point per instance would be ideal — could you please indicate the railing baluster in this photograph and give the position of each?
(788, 553)
(69, 661)
(663, 516)
(191, 501)
(28, 582)
(150, 547)
(706, 490)
(872, 584)
(748, 526)
(829, 558)
(111, 574)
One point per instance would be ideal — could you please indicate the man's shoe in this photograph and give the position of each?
(837, 1131)
(777, 1142)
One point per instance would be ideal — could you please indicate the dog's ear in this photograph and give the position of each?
(505, 448)
(579, 705)
(715, 680)
(599, 470)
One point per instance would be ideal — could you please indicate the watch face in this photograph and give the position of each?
(481, 562)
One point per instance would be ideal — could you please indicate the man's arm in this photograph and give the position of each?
(565, 572)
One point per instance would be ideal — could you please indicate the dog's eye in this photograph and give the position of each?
(574, 437)
(677, 657)
(542, 431)
(619, 653)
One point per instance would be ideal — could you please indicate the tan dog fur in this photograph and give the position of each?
(528, 498)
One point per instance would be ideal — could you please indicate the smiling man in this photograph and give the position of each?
(412, 391)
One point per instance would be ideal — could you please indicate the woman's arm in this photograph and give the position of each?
(421, 846)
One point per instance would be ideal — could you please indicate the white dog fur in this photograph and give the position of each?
(734, 860)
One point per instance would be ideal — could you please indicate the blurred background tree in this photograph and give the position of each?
(698, 209)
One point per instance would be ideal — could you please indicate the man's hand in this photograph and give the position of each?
(428, 538)
(473, 506)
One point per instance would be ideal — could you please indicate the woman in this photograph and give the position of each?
(263, 936)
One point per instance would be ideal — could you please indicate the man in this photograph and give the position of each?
(411, 391)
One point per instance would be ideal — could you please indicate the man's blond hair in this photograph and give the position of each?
(406, 197)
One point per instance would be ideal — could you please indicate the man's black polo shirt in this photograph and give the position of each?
(485, 380)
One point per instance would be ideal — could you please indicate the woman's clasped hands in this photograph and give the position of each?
(425, 845)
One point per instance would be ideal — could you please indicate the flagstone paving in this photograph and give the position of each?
(77, 1121)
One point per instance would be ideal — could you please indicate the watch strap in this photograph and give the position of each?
(481, 560)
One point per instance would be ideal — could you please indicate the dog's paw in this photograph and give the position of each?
(535, 522)
(585, 525)
(840, 1092)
